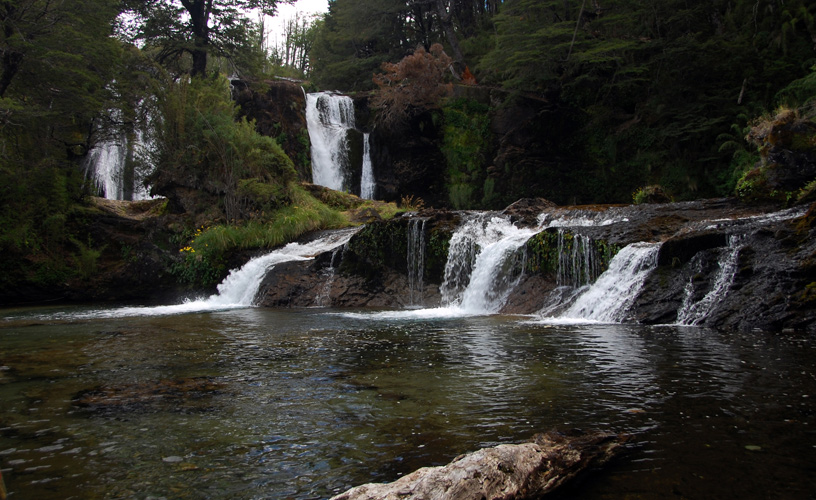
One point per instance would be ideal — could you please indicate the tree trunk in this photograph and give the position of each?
(450, 34)
(199, 11)
(11, 65)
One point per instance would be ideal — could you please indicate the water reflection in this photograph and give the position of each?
(253, 403)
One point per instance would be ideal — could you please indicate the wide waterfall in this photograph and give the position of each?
(330, 121)
(240, 287)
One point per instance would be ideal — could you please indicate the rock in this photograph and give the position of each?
(527, 210)
(519, 472)
(279, 110)
(183, 395)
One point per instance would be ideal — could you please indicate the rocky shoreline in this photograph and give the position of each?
(771, 255)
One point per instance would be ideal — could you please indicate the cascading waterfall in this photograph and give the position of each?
(609, 298)
(693, 313)
(330, 118)
(323, 298)
(367, 184)
(484, 264)
(239, 289)
(415, 252)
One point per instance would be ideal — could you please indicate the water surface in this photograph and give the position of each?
(255, 403)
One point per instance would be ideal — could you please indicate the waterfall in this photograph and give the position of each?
(484, 264)
(609, 298)
(367, 184)
(239, 289)
(415, 253)
(323, 297)
(111, 164)
(693, 313)
(105, 167)
(578, 261)
(329, 119)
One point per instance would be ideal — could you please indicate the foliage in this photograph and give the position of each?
(650, 194)
(415, 84)
(283, 225)
(410, 203)
(467, 145)
(184, 33)
(355, 38)
(200, 144)
(291, 54)
(87, 259)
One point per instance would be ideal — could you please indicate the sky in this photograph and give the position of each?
(274, 25)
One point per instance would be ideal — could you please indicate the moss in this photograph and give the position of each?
(384, 244)
(544, 252)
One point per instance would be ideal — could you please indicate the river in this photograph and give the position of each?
(247, 403)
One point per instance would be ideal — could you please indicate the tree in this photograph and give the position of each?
(294, 49)
(414, 84)
(197, 28)
(199, 145)
(356, 37)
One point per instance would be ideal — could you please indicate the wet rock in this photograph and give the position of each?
(521, 471)
(185, 394)
(679, 250)
(527, 210)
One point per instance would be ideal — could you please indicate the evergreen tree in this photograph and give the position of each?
(194, 28)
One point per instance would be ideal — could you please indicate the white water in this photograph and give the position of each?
(105, 166)
(239, 288)
(329, 119)
(415, 253)
(367, 184)
(693, 313)
(484, 264)
(608, 299)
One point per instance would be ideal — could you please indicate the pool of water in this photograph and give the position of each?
(303, 404)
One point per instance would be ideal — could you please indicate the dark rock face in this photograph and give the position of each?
(767, 273)
(721, 264)
(377, 268)
(279, 112)
(409, 161)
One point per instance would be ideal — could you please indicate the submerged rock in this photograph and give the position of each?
(520, 471)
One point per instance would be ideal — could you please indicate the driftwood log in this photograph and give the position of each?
(508, 471)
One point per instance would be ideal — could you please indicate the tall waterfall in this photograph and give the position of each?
(330, 119)
(367, 184)
(107, 166)
(415, 252)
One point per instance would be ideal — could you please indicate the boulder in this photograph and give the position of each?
(517, 471)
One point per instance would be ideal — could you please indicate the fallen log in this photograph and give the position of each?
(509, 471)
